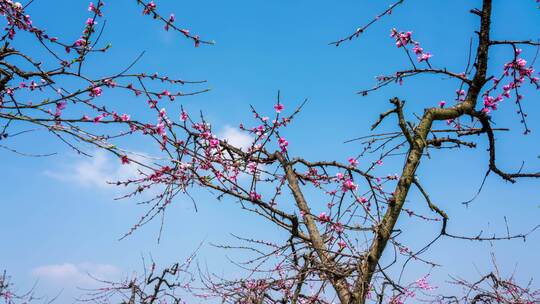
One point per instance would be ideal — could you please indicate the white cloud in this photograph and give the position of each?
(99, 170)
(75, 275)
(235, 137)
(103, 168)
(242, 140)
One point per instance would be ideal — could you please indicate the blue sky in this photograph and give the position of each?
(60, 221)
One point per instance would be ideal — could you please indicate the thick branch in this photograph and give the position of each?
(367, 266)
(316, 238)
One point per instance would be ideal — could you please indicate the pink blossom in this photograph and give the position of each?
(214, 142)
(442, 103)
(160, 129)
(279, 107)
(402, 38)
(283, 143)
(254, 196)
(396, 300)
(417, 49)
(323, 217)
(109, 83)
(404, 250)
(166, 93)
(163, 113)
(61, 105)
(338, 227)
(94, 9)
(150, 7)
(348, 185)
(183, 116)
(423, 284)
(90, 22)
(259, 130)
(79, 42)
(353, 162)
(252, 166)
(95, 92)
(7, 296)
(171, 21)
(98, 118)
(424, 57)
(124, 159)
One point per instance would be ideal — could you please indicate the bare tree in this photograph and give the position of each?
(57, 94)
(9, 294)
(331, 255)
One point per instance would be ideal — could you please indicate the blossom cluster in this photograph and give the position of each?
(405, 38)
(517, 71)
(150, 8)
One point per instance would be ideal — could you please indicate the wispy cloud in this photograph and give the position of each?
(98, 171)
(102, 169)
(68, 275)
(242, 140)
(235, 137)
